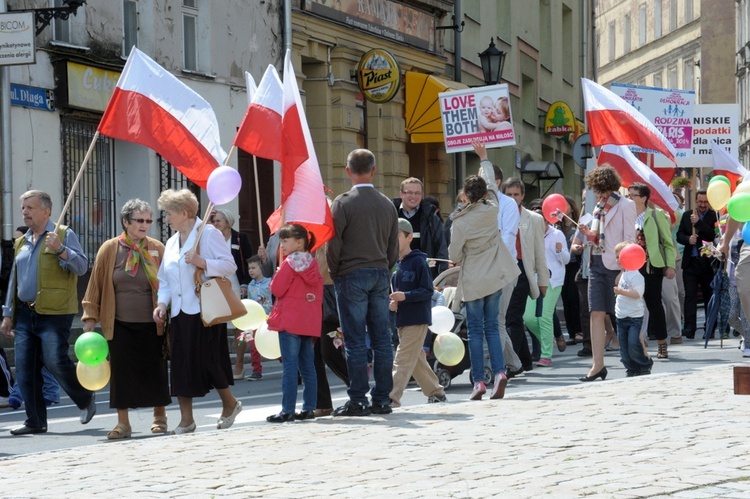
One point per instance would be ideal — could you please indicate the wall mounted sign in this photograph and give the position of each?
(560, 120)
(378, 76)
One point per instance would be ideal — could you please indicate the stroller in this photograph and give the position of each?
(447, 281)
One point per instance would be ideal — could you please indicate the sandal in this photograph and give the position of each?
(119, 432)
(159, 425)
(662, 351)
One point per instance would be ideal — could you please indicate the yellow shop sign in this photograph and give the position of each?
(90, 87)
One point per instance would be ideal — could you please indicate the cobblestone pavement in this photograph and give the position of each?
(672, 435)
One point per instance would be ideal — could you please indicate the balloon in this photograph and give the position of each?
(739, 207)
(746, 233)
(267, 342)
(93, 377)
(552, 204)
(91, 348)
(718, 193)
(254, 317)
(442, 320)
(743, 187)
(449, 349)
(632, 257)
(223, 185)
(720, 178)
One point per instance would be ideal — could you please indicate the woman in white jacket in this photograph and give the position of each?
(557, 256)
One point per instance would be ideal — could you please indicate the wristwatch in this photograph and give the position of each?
(60, 250)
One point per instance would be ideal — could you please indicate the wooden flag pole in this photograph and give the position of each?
(257, 201)
(77, 181)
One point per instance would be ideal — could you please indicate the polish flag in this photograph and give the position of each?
(251, 87)
(151, 107)
(632, 170)
(260, 132)
(665, 173)
(611, 120)
(725, 164)
(303, 199)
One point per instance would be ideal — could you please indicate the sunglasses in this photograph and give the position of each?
(142, 220)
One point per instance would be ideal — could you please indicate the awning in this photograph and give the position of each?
(422, 109)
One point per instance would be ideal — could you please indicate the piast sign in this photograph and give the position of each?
(378, 76)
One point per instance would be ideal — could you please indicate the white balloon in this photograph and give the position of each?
(267, 342)
(442, 320)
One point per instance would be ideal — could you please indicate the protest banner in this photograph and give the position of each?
(713, 122)
(476, 113)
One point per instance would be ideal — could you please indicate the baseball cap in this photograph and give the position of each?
(405, 225)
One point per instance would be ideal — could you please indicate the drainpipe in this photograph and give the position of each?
(287, 25)
(458, 17)
(5, 143)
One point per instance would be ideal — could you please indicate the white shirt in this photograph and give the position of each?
(556, 262)
(176, 285)
(630, 307)
(508, 219)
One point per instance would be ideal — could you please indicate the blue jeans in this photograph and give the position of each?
(297, 355)
(43, 340)
(50, 390)
(632, 355)
(362, 297)
(482, 325)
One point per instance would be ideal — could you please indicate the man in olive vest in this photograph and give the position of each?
(39, 308)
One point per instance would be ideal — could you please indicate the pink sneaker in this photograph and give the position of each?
(479, 390)
(544, 362)
(498, 390)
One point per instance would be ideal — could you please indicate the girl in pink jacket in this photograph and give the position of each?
(298, 288)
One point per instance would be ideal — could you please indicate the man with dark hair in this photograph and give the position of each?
(360, 257)
(42, 300)
(696, 226)
(424, 219)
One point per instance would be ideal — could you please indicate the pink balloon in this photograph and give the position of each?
(632, 257)
(223, 185)
(552, 204)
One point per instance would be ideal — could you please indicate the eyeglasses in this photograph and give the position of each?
(216, 221)
(142, 220)
(412, 193)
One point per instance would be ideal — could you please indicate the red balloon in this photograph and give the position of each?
(552, 204)
(632, 257)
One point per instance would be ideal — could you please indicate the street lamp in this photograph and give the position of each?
(492, 61)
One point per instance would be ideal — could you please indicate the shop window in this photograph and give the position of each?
(129, 26)
(171, 178)
(91, 214)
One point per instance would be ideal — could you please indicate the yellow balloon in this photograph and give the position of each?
(718, 195)
(743, 187)
(449, 349)
(254, 317)
(267, 342)
(93, 377)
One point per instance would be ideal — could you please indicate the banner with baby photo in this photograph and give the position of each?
(476, 113)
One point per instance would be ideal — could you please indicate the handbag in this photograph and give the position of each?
(219, 302)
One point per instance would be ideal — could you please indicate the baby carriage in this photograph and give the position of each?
(447, 282)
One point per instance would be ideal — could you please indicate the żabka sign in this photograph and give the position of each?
(476, 113)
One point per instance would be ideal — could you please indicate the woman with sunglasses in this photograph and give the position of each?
(121, 296)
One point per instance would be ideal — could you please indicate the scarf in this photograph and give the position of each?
(600, 211)
(139, 253)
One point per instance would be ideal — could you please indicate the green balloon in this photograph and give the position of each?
(720, 178)
(91, 348)
(739, 207)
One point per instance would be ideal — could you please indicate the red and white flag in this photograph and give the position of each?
(303, 199)
(725, 164)
(251, 87)
(261, 129)
(613, 121)
(151, 107)
(632, 170)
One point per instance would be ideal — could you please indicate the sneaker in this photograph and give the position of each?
(436, 399)
(381, 409)
(255, 377)
(90, 410)
(498, 389)
(4, 402)
(479, 390)
(352, 409)
(544, 362)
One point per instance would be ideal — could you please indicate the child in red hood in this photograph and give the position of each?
(298, 288)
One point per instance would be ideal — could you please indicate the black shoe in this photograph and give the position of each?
(27, 430)
(688, 334)
(530, 367)
(601, 374)
(352, 409)
(585, 352)
(381, 409)
(510, 373)
(304, 415)
(280, 418)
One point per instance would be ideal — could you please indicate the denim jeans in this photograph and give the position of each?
(50, 390)
(632, 355)
(362, 297)
(43, 340)
(297, 355)
(481, 323)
